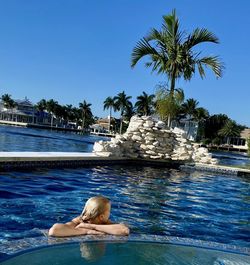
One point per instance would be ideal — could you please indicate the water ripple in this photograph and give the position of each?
(152, 201)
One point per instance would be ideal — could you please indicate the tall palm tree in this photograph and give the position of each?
(145, 104)
(86, 112)
(171, 52)
(109, 103)
(122, 102)
(230, 129)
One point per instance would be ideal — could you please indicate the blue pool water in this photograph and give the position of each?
(128, 253)
(151, 201)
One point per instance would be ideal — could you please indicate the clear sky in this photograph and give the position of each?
(81, 49)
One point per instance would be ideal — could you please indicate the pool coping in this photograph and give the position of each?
(17, 247)
(28, 160)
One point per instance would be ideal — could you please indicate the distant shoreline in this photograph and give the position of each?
(33, 125)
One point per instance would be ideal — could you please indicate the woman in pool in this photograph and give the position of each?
(94, 220)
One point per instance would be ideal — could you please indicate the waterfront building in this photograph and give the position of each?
(23, 112)
(189, 126)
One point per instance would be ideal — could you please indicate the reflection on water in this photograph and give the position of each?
(153, 201)
(92, 251)
(129, 253)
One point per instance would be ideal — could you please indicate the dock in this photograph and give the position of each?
(39, 126)
(234, 148)
(103, 134)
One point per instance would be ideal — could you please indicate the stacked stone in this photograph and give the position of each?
(201, 155)
(149, 138)
(183, 148)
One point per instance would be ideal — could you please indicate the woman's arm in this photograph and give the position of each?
(61, 230)
(112, 229)
(70, 229)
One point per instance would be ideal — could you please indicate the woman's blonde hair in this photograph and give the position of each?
(94, 207)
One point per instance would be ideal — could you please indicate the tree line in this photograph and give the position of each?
(211, 129)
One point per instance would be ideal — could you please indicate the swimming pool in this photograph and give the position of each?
(129, 253)
(151, 201)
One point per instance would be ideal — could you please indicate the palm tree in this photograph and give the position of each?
(69, 114)
(190, 107)
(213, 124)
(109, 103)
(60, 113)
(171, 52)
(51, 108)
(201, 115)
(145, 104)
(122, 102)
(8, 102)
(41, 105)
(86, 112)
(128, 112)
(230, 129)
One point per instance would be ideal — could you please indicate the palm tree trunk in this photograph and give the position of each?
(172, 88)
(121, 125)
(109, 118)
(51, 123)
(169, 120)
(83, 122)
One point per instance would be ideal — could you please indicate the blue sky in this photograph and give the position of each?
(81, 49)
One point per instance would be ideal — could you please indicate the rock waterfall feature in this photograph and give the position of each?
(148, 138)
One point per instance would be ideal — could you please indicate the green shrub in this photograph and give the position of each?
(216, 141)
(206, 141)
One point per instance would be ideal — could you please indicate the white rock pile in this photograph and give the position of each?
(151, 139)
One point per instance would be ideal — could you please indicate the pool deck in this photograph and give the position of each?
(23, 160)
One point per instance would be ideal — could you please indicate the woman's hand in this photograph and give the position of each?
(112, 229)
